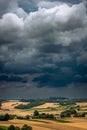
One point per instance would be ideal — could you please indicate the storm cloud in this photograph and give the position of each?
(45, 40)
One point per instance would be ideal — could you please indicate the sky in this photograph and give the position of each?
(43, 48)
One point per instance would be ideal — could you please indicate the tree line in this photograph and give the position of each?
(12, 127)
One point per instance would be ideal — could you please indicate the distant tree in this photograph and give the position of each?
(27, 117)
(26, 127)
(6, 117)
(17, 128)
(68, 113)
(46, 116)
(36, 113)
(20, 117)
(51, 116)
(0, 104)
(1, 117)
(11, 127)
(78, 108)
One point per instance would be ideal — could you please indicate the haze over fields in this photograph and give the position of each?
(43, 48)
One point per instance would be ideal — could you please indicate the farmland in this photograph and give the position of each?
(9, 107)
(44, 124)
(49, 125)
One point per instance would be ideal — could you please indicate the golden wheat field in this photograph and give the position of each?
(81, 123)
(46, 105)
(49, 125)
(11, 104)
(9, 107)
(39, 124)
(83, 106)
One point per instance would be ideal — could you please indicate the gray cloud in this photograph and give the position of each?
(7, 5)
(82, 59)
(10, 27)
(48, 44)
(4, 6)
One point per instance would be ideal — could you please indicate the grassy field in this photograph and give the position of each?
(3, 127)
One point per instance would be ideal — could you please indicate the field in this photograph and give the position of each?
(44, 124)
(83, 106)
(51, 108)
(74, 124)
(48, 105)
(9, 107)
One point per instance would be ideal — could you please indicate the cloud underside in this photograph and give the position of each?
(43, 47)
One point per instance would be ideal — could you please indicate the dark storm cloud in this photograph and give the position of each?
(80, 79)
(12, 78)
(56, 79)
(82, 59)
(47, 40)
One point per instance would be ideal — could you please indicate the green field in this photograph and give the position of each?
(3, 128)
(41, 109)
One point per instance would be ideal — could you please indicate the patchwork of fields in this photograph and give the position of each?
(9, 107)
(40, 124)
